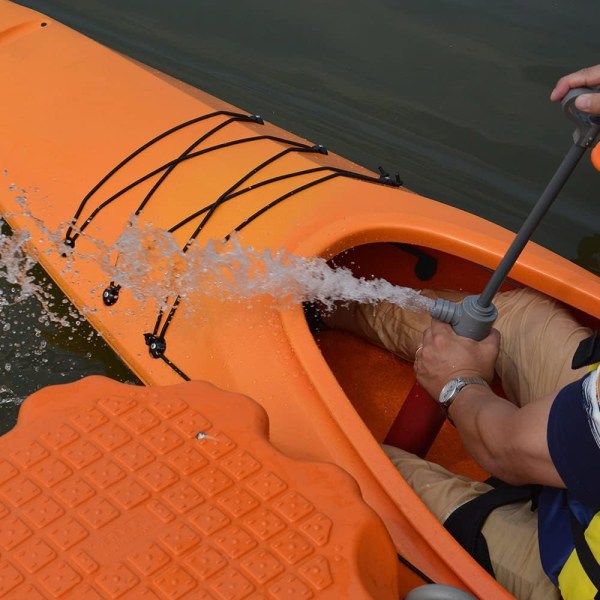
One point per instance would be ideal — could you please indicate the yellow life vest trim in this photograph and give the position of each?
(573, 582)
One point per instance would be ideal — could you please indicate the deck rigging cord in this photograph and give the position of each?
(71, 237)
(141, 149)
(156, 339)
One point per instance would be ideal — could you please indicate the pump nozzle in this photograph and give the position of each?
(468, 318)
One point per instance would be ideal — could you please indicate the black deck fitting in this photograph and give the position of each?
(156, 345)
(111, 294)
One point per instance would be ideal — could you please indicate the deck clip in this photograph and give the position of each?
(156, 345)
(256, 119)
(69, 243)
(320, 149)
(111, 294)
(386, 178)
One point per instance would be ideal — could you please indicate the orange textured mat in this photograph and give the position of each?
(375, 381)
(115, 491)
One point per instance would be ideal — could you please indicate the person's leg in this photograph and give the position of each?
(510, 531)
(538, 338)
(387, 325)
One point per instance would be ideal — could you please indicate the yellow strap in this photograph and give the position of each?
(573, 581)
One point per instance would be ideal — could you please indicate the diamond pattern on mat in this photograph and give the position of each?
(289, 586)
(58, 578)
(180, 539)
(104, 472)
(28, 454)
(133, 455)
(98, 512)
(9, 577)
(262, 566)
(235, 541)
(60, 436)
(42, 511)
(86, 563)
(110, 436)
(20, 490)
(317, 572)
(292, 547)
(237, 502)
(240, 464)
(208, 519)
(205, 561)
(217, 522)
(159, 510)
(116, 580)
(182, 497)
(7, 471)
(149, 559)
(264, 523)
(128, 494)
(186, 460)
(74, 491)
(140, 420)
(81, 453)
(217, 445)
(88, 420)
(162, 439)
(14, 531)
(66, 532)
(293, 506)
(158, 476)
(212, 481)
(51, 471)
(317, 528)
(266, 485)
(174, 582)
(34, 554)
(116, 405)
(168, 408)
(190, 423)
(230, 584)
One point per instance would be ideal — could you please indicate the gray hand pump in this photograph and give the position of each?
(475, 315)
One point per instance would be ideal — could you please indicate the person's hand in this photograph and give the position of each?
(445, 355)
(588, 77)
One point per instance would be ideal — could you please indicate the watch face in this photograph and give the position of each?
(449, 391)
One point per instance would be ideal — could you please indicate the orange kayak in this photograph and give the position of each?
(90, 138)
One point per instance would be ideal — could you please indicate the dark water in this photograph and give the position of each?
(452, 94)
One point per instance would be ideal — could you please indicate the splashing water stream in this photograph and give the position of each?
(150, 263)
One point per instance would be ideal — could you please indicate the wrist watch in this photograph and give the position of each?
(451, 389)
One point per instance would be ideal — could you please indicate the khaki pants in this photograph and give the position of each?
(538, 341)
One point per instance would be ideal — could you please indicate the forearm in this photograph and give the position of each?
(507, 441)
(481, 417)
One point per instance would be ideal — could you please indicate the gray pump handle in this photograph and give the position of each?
(587, 124)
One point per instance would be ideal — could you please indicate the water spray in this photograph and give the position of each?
(475, 315)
